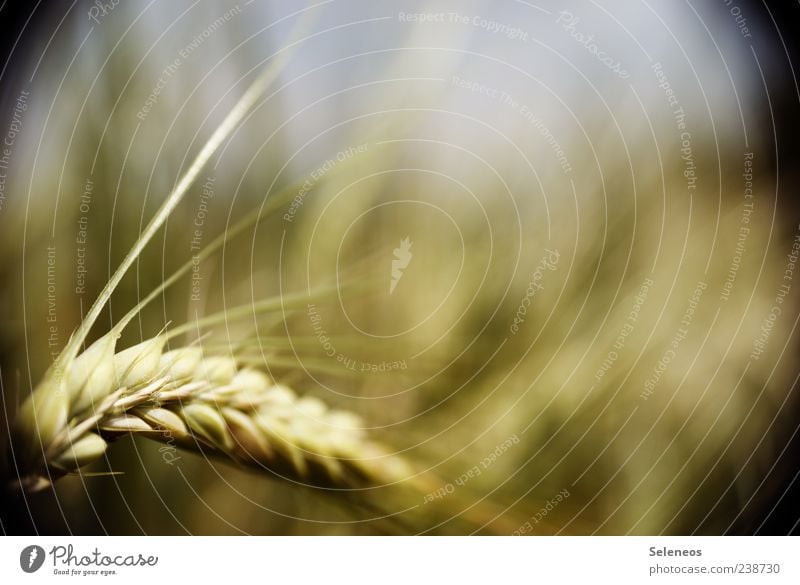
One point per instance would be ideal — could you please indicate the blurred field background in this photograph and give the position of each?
(567, 304)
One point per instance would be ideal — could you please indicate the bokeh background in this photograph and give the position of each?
(590, 208)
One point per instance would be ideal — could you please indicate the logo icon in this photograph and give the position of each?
(31, 558)
(402, 257)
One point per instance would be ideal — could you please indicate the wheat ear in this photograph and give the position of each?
(208, 403)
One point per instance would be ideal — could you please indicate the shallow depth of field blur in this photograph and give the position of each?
(569, 229)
